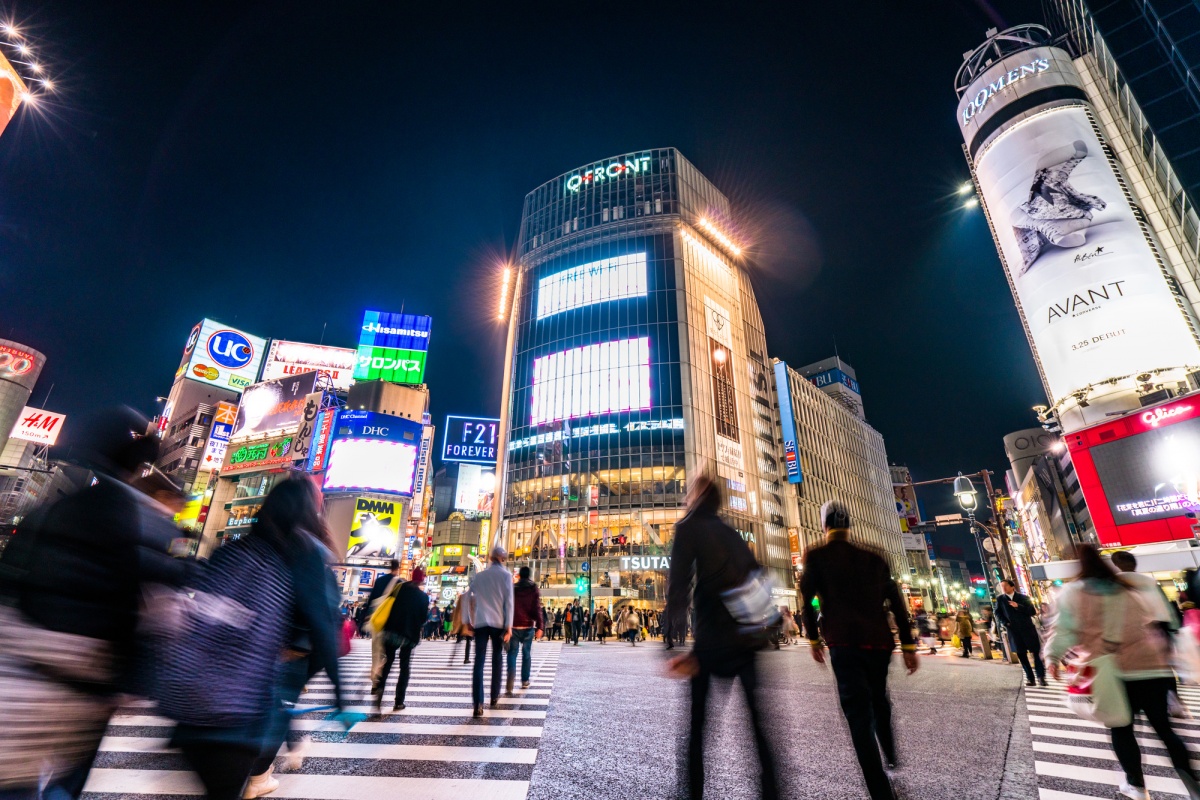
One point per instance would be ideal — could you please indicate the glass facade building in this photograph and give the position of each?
(636, 359)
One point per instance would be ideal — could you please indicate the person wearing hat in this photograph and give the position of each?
(855, 590)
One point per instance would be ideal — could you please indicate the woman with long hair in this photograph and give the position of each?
(289, 546)
(1090, 610)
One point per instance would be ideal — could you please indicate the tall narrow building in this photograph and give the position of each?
(636, 361)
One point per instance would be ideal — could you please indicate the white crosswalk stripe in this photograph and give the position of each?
(431, 749)
(1074, 758)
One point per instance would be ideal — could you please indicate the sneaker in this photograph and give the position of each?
(260, 785)
(1031, 683)
(1042, 683)
(1127, 789)
(524, 684)
(495, 703)
(399, 707)
(478, 711)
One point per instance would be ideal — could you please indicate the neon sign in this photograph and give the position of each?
(616, 169)
(1152, 418)
(1035, 67)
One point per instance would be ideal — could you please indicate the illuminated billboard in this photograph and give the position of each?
(295, 358)
(592, 380)
(596, 282)
(392, 347)
(20, 364)
(1089, 282)
(475, 489)
(218, 438)
(373, 452)
(222, 356)
(471, 439)
(36, 425)
(273, 406)
(12, 91)
(270, 453)
(375, 528)
(730, 459)
(1140, 474)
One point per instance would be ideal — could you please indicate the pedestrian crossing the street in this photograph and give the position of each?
(433, 748)
(1074, 758)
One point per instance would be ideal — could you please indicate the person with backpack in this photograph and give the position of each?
(262, 611)
(70, 584)
(382, 588)
(1102, 613)
(707, 549)
(402, 633)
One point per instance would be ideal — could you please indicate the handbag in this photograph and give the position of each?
(1095, 690)
(751, 605)
(955, 641)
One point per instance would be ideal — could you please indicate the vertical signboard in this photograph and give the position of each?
(791, 453)
(730, 461)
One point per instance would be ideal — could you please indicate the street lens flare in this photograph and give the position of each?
(339, 417)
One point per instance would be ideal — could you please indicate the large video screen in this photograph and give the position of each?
(595, 282)
(592, 380)
(372, 465)
(1153, 475)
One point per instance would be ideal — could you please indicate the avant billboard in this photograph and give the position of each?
(1088, 281)
(295, 358)
(375, 529)
(392, 347)
(222, 356)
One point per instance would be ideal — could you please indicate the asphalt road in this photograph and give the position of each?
(616, 726)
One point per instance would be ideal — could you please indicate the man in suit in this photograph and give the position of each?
(1016, 612)
(382, 588)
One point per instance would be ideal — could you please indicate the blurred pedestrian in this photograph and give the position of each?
(491, 616)
(382, 588)
(1016, 612)
(557, 628)
(603, 624)
(70, 583)
(576, 622)
(856, 591)
(789, 628)
(297, 507)
(1102, 613)
(986, 622)
(712, 553)
(628, 624)
(273, 591)
(401, 634)
(965, 629)
(460, 630)
(527, 625)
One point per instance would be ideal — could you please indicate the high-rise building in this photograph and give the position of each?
(1071, 142)
(838, 457)
(636, 360)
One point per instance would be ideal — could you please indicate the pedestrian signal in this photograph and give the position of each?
(581, 586)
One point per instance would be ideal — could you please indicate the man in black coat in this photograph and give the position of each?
(384, 584)
(402, 632)
(1016, 612)
(855, 589)
(711, 551)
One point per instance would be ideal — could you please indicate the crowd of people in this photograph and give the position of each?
(95, 609)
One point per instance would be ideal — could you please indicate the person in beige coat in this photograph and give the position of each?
(964, 627)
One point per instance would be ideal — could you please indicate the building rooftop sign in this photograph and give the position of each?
(602, 172)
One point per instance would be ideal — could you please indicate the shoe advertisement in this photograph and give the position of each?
(1089, 283)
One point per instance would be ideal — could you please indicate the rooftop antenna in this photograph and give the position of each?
(323, 327)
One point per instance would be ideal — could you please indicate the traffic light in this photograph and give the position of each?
(980, 591)
(581, 585)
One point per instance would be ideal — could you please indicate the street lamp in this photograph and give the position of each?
(965, 491)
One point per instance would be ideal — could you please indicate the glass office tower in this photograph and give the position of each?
(636, 360)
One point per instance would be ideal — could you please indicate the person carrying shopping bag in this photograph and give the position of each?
(1118, 663)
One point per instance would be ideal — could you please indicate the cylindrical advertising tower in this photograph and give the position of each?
(1106, 319)
(20, 366)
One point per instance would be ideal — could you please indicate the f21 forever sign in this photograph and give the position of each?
(1093, 294)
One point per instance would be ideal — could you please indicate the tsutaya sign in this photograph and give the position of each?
(610, 172)
(646, 562)
(986, 93)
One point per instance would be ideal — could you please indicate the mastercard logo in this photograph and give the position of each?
(206, 372)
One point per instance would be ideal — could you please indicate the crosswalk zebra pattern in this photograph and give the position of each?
(433, 749)
(1074, 759)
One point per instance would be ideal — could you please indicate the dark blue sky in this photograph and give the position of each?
(282, 166)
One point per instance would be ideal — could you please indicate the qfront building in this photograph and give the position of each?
(636, 360)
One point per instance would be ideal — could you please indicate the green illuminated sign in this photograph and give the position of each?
(389, 364)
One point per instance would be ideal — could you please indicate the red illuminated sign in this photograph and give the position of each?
(1138, 473)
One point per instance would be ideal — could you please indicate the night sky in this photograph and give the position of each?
(282, 166)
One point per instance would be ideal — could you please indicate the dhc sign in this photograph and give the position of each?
(600, 174)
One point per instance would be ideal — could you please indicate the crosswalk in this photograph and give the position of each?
(1074, 758)
(433, 748)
